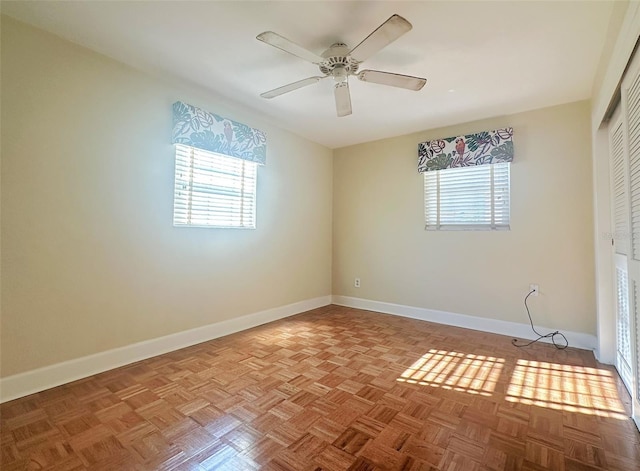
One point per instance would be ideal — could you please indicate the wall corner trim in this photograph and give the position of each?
(496, 326)
(29, 382)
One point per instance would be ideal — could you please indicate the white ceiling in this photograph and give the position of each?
(497, 57)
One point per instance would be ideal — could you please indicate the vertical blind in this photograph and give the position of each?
(475, 197)
(213, 189)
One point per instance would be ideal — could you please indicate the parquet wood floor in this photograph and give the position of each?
(334, 389)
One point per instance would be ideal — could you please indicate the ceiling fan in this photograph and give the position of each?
(339, 62)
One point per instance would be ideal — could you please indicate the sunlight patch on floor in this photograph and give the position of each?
(464, 372)
(569, 388)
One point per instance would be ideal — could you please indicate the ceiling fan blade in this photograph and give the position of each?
(343, 99)
(384, 35)
(394, 80)
(275, 40)
(290, 87)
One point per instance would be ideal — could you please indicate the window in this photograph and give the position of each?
(213, 190)
(467, 198)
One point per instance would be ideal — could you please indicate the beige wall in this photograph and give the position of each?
(90, 259)
(378, 227)
(618, 12)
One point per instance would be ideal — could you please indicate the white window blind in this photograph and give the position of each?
(471, 198)
(213, 190)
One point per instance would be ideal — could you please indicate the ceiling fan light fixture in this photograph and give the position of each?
(343, 99)
(340, 74)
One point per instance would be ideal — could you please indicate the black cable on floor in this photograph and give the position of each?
(550, 335)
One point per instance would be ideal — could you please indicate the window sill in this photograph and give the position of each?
(467, 227)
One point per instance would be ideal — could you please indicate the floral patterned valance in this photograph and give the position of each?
(198, 128)
(489, 147)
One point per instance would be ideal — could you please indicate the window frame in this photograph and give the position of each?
(492, 225)
(217, 192)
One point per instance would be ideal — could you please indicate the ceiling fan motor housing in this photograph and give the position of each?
(337, 62)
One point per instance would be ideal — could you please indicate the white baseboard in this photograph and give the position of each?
(605, 359)
(22, 384)
(511, 329)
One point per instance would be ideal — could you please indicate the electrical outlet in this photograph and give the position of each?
(356, 283)
(535, 289)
